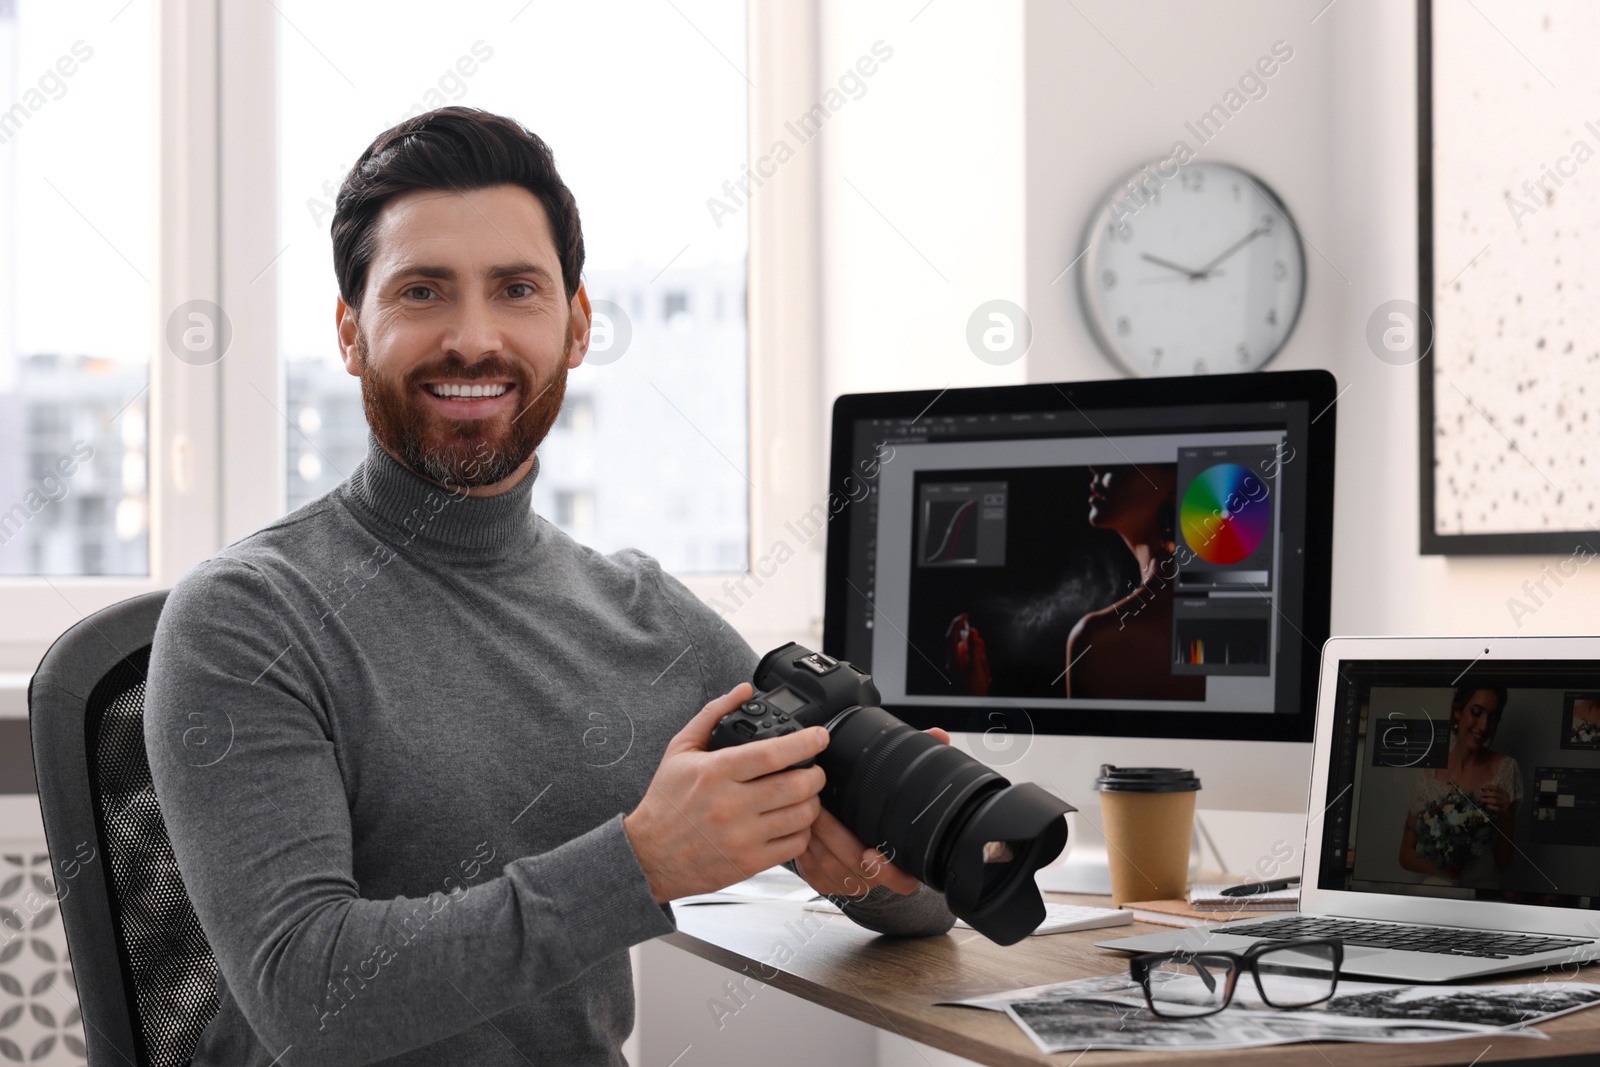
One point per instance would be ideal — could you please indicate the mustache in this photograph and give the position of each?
(456, 367)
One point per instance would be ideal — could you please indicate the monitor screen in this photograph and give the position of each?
(1466, 780)
(1107, 558)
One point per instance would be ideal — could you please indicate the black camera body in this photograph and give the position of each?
(930, 808)
(811, 693)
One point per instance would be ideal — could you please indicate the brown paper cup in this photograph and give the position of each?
(1147, 843)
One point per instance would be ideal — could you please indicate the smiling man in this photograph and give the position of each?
(428, 765)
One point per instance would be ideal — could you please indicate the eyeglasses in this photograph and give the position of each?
(1288, 974)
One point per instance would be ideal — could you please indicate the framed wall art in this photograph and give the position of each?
(1508, 124)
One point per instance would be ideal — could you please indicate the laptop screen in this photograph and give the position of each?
(1474, 781)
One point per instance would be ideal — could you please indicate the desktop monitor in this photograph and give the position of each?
(1132, 572)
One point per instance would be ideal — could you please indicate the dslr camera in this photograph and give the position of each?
(933, 810)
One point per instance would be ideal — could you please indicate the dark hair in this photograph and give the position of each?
(457, 148)
(1464, 693)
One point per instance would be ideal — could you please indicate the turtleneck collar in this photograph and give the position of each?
(420, 513)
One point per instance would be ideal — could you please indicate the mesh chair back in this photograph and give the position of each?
(147, 982)
(174, 975)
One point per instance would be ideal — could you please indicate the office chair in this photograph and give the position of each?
(147, 982)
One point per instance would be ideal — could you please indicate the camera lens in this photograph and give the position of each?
(946, 818)
(932, 810)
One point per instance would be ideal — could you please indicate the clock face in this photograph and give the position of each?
(1200, 273)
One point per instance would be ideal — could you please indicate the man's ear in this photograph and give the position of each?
(582, 321)
(345, 322)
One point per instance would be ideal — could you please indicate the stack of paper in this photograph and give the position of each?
(1109, 1012)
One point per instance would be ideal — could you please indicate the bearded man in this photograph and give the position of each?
(410, 850)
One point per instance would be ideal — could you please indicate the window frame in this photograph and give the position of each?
(183, 461)
(217, 439)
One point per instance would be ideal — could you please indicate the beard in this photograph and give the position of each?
(470, 453)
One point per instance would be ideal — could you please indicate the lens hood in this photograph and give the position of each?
(1000, 899)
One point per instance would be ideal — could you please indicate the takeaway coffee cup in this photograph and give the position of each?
(1148, 815)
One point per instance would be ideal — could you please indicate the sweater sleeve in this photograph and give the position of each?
(727, 659)
(239, 736)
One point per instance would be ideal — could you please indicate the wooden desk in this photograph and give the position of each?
(893, 984)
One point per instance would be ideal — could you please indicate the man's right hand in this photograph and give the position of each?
(710, 819)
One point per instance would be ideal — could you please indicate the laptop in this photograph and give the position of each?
(1453, 828)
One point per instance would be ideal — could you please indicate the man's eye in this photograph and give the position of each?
(520, 285)
(414, 289)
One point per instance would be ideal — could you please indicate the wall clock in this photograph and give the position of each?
(1198, 273)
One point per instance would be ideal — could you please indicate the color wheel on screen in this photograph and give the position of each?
(1217, 534)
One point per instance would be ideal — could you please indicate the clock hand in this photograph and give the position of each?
(1165, 280)
(1240, 243)
(1171, 265)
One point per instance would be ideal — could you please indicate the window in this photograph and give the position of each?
(651, 450)
(577, 415)
(574, 509)
(202, 452)
(76, 273)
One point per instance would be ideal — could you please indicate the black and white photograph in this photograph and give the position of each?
(1109, 1013)
(1064, 1025)
(1506, 1005)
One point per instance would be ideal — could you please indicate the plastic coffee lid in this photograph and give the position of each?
(1145, 780)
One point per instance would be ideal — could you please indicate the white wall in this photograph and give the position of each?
(922, 189)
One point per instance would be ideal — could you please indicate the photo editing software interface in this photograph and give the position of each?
(1135, 559)
(1466, 780)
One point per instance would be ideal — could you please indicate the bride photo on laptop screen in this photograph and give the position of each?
(1462, 818)
(1476, 787)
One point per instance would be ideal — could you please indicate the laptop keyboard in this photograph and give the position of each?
(1449, 941)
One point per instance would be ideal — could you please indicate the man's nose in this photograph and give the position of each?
(474, 328)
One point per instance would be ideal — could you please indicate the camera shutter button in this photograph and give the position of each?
(752, 708)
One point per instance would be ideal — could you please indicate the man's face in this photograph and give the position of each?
(465, 334)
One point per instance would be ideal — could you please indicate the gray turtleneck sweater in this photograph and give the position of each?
(393, 735)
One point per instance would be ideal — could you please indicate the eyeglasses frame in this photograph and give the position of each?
(1139, 967)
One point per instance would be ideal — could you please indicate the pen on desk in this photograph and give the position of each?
(1251, 889)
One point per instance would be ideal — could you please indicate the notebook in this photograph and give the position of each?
(1207, 896)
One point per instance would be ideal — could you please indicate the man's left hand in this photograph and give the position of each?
(838, 863)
